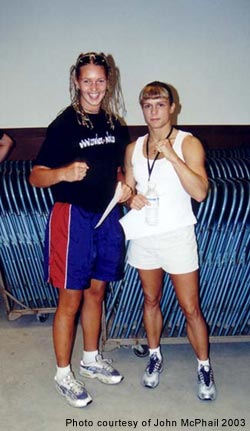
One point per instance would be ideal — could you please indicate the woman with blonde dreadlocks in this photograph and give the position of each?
(79, 160)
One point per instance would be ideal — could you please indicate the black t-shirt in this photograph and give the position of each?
(101, 147)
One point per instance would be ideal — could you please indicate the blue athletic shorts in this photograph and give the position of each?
(75, 252)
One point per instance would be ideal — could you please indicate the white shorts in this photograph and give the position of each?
(175, 252)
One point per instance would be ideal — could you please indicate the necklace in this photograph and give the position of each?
(150, 168)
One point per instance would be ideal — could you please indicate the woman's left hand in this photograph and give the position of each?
(126, 192)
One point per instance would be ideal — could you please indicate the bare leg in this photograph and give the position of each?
(92, 314)
(152, 288)
(64, 323)
(187, 291)
(91, 326)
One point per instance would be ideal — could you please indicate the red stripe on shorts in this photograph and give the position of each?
(59, 244)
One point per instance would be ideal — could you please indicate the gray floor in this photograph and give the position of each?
(29, 401)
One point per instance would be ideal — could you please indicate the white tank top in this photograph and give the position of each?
(174, 202)
(175, 209)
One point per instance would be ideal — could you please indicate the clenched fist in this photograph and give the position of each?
(76, 171)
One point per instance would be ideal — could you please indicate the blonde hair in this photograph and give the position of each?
(113, 102)
(154, 90)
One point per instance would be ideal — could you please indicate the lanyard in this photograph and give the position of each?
(150, 168)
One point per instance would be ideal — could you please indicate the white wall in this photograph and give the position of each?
(201, 47)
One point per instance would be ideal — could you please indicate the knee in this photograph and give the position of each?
(94, 296)
(191, 312)
(69, 307)
(152, 301)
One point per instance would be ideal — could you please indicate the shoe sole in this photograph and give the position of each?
(101, 378)
(150, 386)
(207, 397)
(77, 403)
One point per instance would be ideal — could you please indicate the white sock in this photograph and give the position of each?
(62, 372)
(204, 363)
(89, 357)
(157, 350)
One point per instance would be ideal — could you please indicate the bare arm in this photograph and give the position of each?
(191, 171)
(42, 176)
(127, 190)
(128, 168)
(137, 201)
(6, 143)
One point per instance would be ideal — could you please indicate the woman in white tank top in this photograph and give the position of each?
(174, 161)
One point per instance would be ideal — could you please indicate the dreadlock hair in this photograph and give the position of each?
(112, 103)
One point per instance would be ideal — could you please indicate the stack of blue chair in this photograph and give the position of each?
(223, 234)
(23, 214)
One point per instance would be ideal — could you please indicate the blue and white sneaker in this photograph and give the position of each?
(74, 391)
(102, 370)
(206, 385)
(151, 376)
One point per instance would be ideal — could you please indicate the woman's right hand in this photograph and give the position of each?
(43, 176)
(138, 202)
(76, 171)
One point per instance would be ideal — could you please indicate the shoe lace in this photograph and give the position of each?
(74, 385)
(105, 363)
(206, 376)
(154, 363)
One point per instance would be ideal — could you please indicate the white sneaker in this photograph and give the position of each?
(73, 390)
(151, 376)
(206, 385)
(101, 370)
